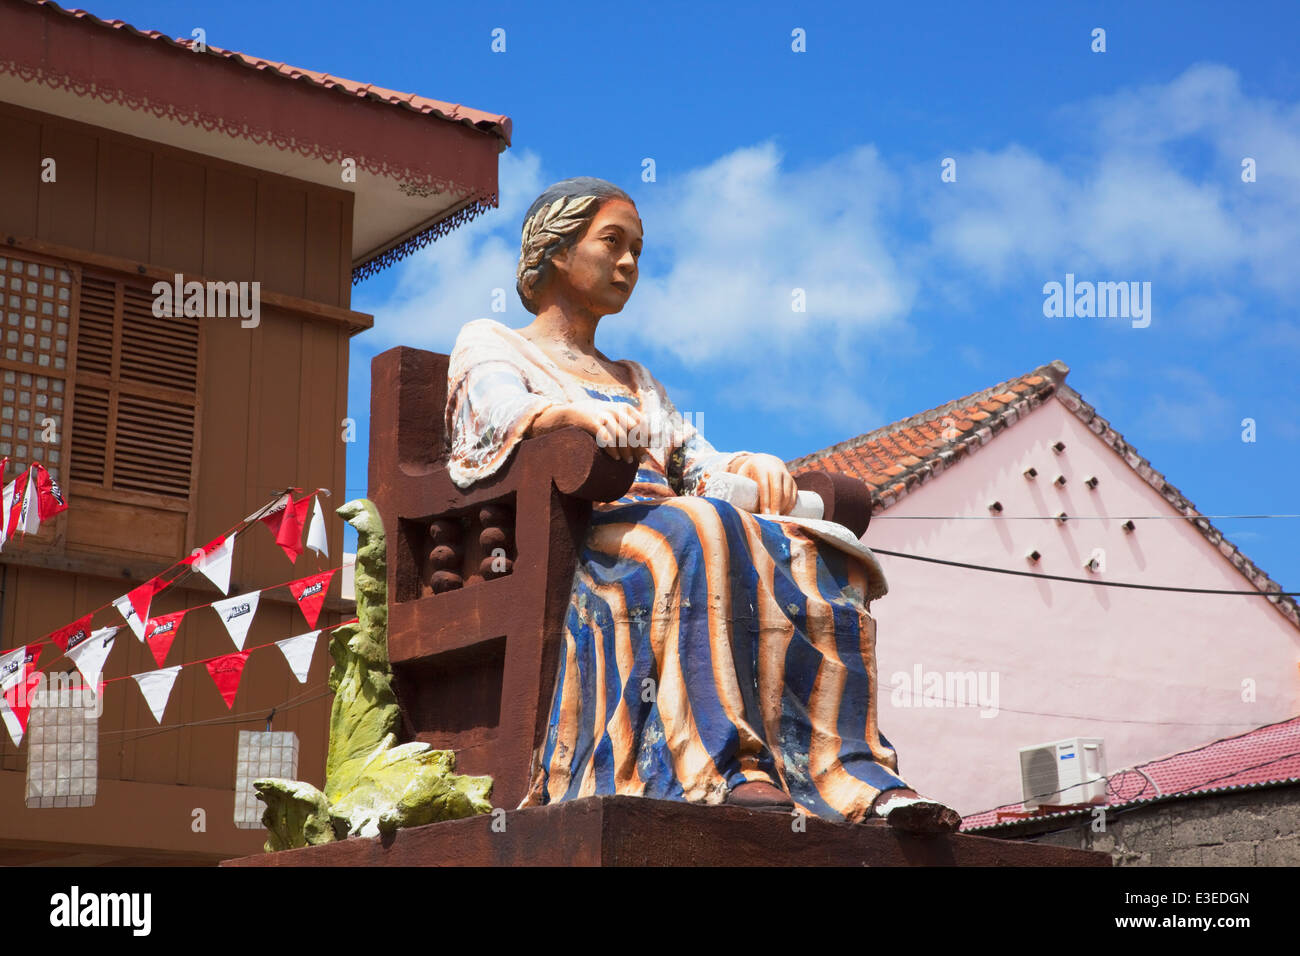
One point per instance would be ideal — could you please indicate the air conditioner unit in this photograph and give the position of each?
(1064, 772)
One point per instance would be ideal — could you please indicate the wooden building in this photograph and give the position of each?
(126, 158)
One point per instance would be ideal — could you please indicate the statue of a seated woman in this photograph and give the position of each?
(709, 655)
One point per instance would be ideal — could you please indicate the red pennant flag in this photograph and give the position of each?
(226, 672)
(286, 523)
(142, 596)
(310, 594)
(73, 633)
(49, 497)
(159, 632)
(21, 491)
(204, 551)
(19, 696)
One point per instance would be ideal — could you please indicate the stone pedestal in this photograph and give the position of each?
(633, 831)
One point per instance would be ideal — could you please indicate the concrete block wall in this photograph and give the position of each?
(1243, 828)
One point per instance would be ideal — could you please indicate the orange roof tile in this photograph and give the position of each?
(909, 447)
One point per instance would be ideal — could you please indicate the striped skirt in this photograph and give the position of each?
(705, 647)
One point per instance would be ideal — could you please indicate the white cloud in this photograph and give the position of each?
(733, 240)
(1187, 407)
(1126, 206)
(727, 243)
(742, 234)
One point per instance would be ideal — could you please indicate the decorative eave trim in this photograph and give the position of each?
(32, 37)
(382, 260)
(500, 126)
(193, 116)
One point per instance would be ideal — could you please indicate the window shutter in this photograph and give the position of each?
(133, 420)
(89, 434)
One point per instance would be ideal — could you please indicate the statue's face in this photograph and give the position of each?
(600, 269)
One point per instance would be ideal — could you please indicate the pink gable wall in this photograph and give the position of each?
(1150, 672)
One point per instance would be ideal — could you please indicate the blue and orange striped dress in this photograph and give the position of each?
(704, 646)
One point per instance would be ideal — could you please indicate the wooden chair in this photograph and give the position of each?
(479, 580)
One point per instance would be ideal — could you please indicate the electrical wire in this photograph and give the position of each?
(1101, 720)
(1002, 517)
(259, 716)
(1095, 583)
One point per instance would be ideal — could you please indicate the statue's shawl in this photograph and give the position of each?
(498, 382)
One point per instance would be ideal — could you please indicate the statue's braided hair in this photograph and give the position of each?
(554, 222)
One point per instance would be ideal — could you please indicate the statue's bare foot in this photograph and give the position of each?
(907, 810)
(760, 795)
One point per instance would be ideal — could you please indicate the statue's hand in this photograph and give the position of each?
(777, 492)
(619, 428)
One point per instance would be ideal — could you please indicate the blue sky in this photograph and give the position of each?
(821, 170)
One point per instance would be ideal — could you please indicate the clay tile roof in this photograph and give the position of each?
(897, 458)
(1265, 756)
(925, 444)
(454, 112)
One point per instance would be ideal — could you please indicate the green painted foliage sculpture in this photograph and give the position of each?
(373, 785)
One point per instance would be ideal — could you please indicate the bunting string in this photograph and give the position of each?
(207, 660)
(184, 566)
(88, 649)
(156, 685)
(53, 636)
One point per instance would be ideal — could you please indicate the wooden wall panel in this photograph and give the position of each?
(322, 435)
(229, 224)
(295, 229)
(67, 206)
(271, 411)
(324, 227)
(344, 268)
(281, 237)
(176, 236)
(125, 201)
(107, 527)
(20, 181)
(273, 443)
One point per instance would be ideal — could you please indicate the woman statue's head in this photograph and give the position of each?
(581, 240)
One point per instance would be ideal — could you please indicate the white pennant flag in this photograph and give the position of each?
(316, 539)
(29, 520)
(12, 724)
(298, 652)
(12, 669)
(8, 502)
(216, 564)
(90, 654)
(157, 688)
(127, 610)
(237, 614)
